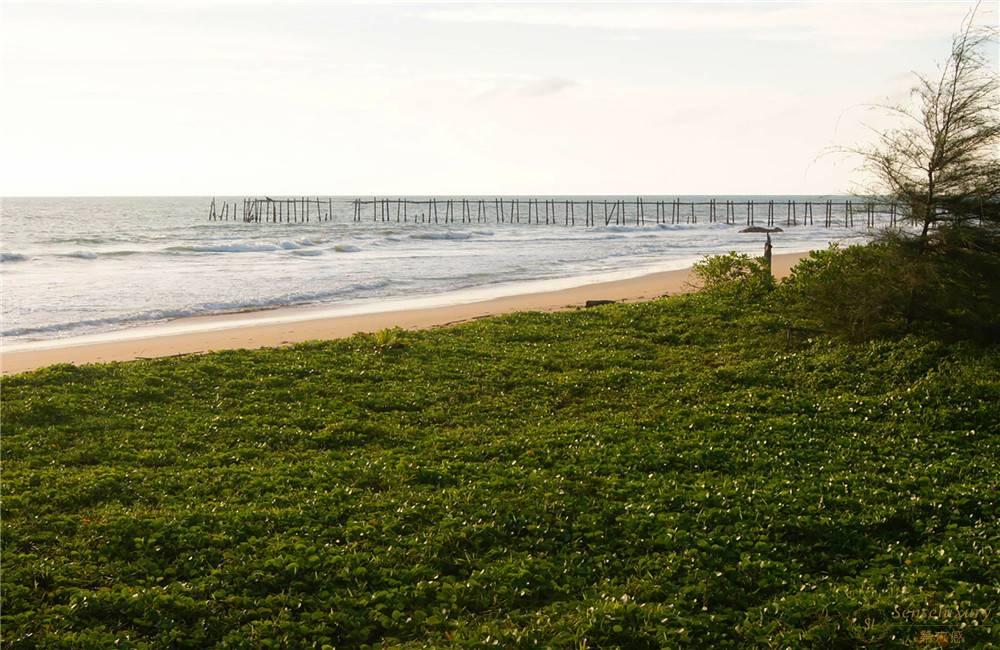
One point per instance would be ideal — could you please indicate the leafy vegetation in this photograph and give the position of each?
(898, 285)
(678, 473)
(733, 273)
(941, 163)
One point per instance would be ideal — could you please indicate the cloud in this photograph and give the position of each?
(493, 87)
(546, 86)
(841, 24)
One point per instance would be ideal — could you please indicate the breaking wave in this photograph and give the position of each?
(70, 328)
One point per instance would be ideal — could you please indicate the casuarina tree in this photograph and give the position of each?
(941, 164)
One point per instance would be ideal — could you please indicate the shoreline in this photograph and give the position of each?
(269, 328)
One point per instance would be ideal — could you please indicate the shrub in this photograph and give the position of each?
(898, 284)
(858, 292)
(733, 272)
(964, 299)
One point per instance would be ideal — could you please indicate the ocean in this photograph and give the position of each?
(76, 266)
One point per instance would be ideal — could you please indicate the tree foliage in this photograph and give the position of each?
(941, 164)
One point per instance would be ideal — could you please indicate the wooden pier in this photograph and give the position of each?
(565, 212)
(268, 210)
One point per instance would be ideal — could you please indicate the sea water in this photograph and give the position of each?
(74, 266)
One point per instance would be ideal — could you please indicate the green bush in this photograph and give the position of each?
(898, 285)
(858, 292)
(963, 301)
(733, 272)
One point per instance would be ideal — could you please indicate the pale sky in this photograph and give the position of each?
(236, 97)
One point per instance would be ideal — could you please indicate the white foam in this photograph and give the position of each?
(236, 247)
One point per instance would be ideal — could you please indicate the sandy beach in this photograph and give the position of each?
(205, 334)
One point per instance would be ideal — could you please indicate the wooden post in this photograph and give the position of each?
(767, 253)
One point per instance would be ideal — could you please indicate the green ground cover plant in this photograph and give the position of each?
(685, 472)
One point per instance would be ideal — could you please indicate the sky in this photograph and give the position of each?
(239, 97)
